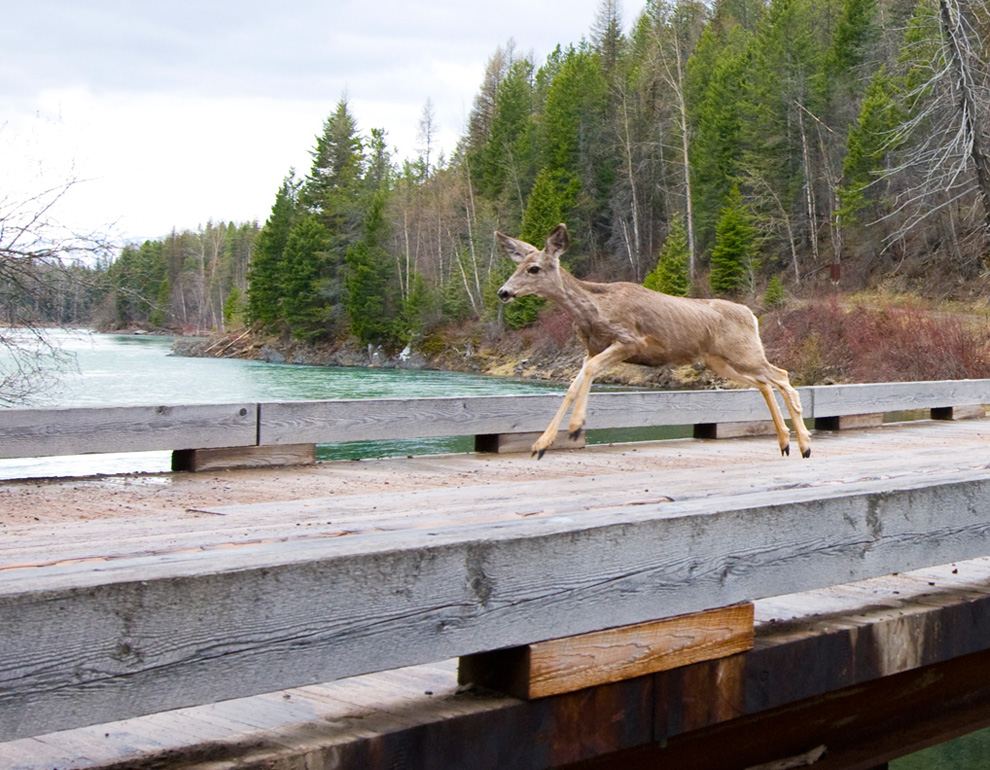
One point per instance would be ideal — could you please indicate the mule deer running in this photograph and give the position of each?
(628, 322)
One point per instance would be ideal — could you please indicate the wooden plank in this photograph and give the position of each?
(962, 412)
(182, 628)
(507, 443)
(836, 400)
(49, 432)
(369, 419)
(849, 421)
(723, 430)
(226, 458)
(564, 665)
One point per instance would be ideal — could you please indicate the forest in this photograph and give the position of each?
(764, 150)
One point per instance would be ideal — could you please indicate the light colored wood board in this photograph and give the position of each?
(507, 443)
(723, 430)
(962, 412)
(49, 432)
(849, 421)
(226, 458)
(835, 400)
(372, 419)
(346, 515)
(573, 663)
(352, 420)
(179, 629)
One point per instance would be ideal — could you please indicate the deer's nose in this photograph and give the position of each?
(504, 294)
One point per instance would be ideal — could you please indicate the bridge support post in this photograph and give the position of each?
(972, 412)
(576, 662)
(714, 430)
(504, 443)
(200, 460)
(849, 421)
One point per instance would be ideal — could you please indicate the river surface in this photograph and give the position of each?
(125, 370)
(129, 370)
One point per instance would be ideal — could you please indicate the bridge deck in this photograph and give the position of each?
(376, 718)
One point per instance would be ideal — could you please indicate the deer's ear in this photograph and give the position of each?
(558, 241)
(515, 249)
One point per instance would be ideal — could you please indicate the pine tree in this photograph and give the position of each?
(671, 274)
(734, 254)
(306, 304)
(369, 305)
(265, 270)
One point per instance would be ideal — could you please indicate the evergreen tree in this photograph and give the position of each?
(306, 305)
(265, 271)
(671, 273)
(369, 305)
(735, 252)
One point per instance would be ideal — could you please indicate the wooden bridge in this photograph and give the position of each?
(599, 601)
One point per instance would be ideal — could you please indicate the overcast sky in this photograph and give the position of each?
(173, 112)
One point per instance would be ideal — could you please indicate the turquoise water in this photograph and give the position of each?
(126, 370)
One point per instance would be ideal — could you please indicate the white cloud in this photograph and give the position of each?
(175, 113)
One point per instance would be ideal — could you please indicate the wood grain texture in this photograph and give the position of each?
(563, 665)
(835, 400)
(49, 432)
(200, 460)
(163, 631)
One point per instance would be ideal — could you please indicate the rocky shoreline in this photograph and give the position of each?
(509, 357)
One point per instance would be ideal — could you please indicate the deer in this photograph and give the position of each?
(625, 322)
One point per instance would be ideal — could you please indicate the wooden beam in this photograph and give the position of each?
(507, 443)
(962, 412)
(849, 421)
(573, 663)
(49, 432)
(226, 458)
(188, 627)
(835, 400)
(723, 430)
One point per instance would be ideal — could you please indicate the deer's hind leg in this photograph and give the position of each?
(724, 369)
(779, 379)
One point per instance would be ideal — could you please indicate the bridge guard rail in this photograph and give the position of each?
(85, 430)
(89, 642)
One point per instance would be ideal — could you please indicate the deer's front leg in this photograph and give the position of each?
(543, 442)
(613, 354)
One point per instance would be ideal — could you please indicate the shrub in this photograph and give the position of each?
(821, 342)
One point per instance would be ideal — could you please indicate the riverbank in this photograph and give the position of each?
(521, 354)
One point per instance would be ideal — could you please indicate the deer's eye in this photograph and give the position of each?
(533, 269)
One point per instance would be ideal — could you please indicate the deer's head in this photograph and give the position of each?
(538, 271)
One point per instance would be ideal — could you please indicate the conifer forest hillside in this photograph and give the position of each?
(772, 151)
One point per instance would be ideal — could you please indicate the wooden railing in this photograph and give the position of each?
(51, 432)
(87, 641)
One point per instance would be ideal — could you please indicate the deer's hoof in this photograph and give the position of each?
(538, 453)
(806, 453)
(785, 451)
(574, 435)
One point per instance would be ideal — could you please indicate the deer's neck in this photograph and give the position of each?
(575, 299)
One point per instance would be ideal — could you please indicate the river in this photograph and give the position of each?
(122, 370)
(127, 370)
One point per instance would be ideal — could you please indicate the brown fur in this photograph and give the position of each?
(627, 322)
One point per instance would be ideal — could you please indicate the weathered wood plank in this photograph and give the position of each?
(507, 443)
(184, 628)
(225, 458)
(368, 419)
(49, 432)
(564, 665)
(836, 400)
(723, 430)
(849, 421)
(961, 412)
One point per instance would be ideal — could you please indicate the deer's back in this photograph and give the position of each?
(674, 330)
